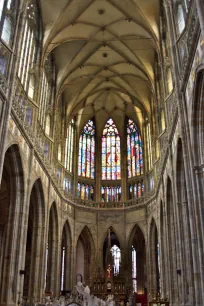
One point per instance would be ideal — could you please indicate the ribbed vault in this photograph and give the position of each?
(105, 52)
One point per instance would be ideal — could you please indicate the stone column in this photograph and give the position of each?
(75, 160)
(98, 169)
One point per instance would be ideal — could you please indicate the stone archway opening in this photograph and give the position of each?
(34, 279)
(137, 265)
(66, 259)
(85, 256)
(11, 206)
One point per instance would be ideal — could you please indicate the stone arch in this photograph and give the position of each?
(105, 247)
(52, 251)
(85, 263)
(11, 229)
(137, 241)
(66, 258)
(34, 279)
(117, 234)
(154, 253)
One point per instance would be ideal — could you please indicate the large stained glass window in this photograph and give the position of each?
(86, 166)
(134, 150)
(110, 152)
(111, 193)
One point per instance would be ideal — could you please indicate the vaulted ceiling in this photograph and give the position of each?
(105, 53)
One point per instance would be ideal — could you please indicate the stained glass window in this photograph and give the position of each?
(85, 191)
(86, 166)
(111, 193)
(134, 150)
(68, 161)
(136, 190)
(110, 152)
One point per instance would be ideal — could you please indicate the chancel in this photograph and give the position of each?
(101, 152)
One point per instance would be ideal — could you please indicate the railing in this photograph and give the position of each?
(121, 204)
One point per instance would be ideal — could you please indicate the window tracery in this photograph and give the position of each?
(110, 152)
(85, 191)
(180, 19)
(136, 190)
(111, 193)
(8, 16)
(29, 49)
(134, 150)
(86, 161)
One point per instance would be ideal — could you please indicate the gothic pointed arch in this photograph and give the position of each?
(11, 206)
(155, 256)
(137, 260)
(85, 255)
(52, 251)
(34, 279)
(66, 257)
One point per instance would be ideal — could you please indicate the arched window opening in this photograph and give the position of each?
(180, 19)
(8, 14)
(65, 262)
(47, 90)
(86, 165)
(134, 269)
(116, 256)
(134, 150)
(110, 152)
(169, 81)
(111, 193)
(8, 11)
(29, 48)
(137, 262)
(68, 162)
(111, 254)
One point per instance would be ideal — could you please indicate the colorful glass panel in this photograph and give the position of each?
(136, 190)
(86, 165)
(134, 150)
(85, 191)
(111, 193)
(110, 152)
